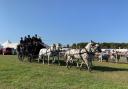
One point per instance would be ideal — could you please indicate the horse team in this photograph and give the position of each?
(33, 48)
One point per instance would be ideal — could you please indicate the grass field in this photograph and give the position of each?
(24, 75)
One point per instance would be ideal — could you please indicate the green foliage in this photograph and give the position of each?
(74, 45)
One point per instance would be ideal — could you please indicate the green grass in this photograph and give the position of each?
(24, 75)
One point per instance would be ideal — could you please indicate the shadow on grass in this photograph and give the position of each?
(62, 63)
(95, 68)
(109, 69)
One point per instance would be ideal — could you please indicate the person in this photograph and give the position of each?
(29, 40)
(117, 56)
(21, 40)
(25, 40)
(30, 48)
(35, 39)
(39, 40)
(36, 36)
(20, 51)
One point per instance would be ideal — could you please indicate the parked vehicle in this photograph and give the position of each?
(7, 51)
(1, 51)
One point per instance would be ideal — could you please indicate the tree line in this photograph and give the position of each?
(103, 45)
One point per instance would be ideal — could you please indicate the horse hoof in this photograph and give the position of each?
(77, 67)
(80, 68)
(67, 67)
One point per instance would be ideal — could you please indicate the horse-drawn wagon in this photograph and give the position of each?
(29, 48)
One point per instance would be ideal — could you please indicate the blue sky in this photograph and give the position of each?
(65, 21)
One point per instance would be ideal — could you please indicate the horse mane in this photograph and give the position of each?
(88, 47)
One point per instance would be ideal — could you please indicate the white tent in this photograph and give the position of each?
(14, 45)
(119, 50)
(122, 50)
(9, 44)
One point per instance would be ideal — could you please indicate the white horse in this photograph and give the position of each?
(50, 52)
(86, 54)
(72, 55)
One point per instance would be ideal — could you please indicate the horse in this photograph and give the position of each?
(52, 51)
(85, 54)
(72, 55)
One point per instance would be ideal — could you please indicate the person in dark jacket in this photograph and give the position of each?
(21, 40)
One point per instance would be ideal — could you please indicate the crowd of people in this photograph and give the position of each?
(113, 56)
(30, 40)
(30, 46)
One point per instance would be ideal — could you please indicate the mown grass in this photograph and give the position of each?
(24, 75)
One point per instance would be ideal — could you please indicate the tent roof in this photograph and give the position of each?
(6, 43)
(9, 44)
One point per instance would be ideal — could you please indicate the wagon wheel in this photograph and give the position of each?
(30, 57)
(21, 57)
